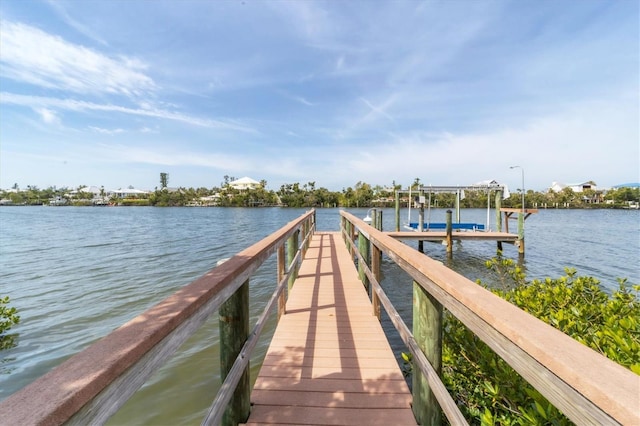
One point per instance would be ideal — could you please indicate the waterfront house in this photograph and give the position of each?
(128, 193)
(244, 183)
(595, 195)
(211, 200)
(575, 187)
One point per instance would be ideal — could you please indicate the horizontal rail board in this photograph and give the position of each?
(462, 236)
(468, 226)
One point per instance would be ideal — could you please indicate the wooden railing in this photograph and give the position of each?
(91, 386)
(586, 386)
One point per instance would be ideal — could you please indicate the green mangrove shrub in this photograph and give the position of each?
(8, 318)
(489, 391)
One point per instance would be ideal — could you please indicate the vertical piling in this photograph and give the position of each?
(281, 272)
(498, 203)
(521, 234)
(376, 256)
(374, 218)
(305, 230)
(421, 221)
(234, 331)
(449, 230)
(427, 330)
(363, 248)
(397, 211)
(292, 249)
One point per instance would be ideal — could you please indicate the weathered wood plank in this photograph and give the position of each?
(329, 358)
(330, 385)
(462, 236)
(336, 398)
(297, 415)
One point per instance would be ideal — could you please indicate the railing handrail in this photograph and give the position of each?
(216, 411)
(93, 384)
(585, 385)
(447, 404)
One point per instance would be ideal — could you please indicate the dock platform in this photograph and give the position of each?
(456, 235)
(329, 361)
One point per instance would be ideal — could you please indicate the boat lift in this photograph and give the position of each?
(423, 197)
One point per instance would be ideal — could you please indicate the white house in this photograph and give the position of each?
(210, 200)
(94, 190)
(244, 183)
(575, 187)
(127, 192)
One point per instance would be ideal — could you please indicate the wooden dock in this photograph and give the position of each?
(461, 235)
(329, 361)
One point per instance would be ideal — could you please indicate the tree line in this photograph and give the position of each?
(308, 195)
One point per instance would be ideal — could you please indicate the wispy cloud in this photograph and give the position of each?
(296, 98)
(48, 116)
(80, 106)
(167, 156)
(32, 56)
(106, 131)
(58, 7)
(380, 111)
(309, 19)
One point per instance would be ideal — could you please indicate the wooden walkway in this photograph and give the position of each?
(329, 361)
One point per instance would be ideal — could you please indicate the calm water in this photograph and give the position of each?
(75, 274)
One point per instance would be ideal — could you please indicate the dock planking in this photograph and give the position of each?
(456, 235)
(330, 362)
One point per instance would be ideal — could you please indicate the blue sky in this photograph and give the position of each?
(452, 92)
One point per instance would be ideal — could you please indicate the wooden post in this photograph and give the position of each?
(281, 270)
(498, 202)
(304, 229)
(421, 221)
(352, 238)
(376, 256)
(521, 234)
(374, 218)
(427, 330)
(234, 331)
(347, 238)
(507, 216)
(449, 229)
(379, 220)
(292, 249)
(421, 212)
(347, 231)
(397, 211)
(363, 248)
